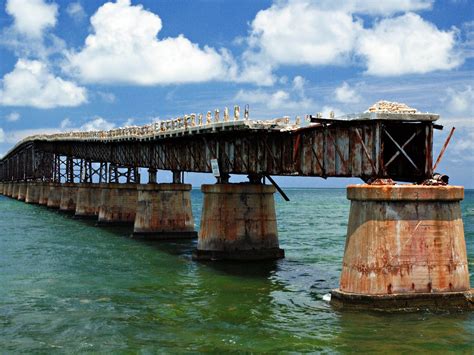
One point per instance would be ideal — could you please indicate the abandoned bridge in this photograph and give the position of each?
(403, 239)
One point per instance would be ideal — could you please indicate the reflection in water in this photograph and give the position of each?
(70, 286)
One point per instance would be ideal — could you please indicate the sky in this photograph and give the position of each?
(67, 65)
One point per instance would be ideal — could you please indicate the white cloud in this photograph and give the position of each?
(407, 44)
(463, 146)
(13, 116)
(32, 17)
(31, 84)
(376, 7)
(326, 111)
(300, 32)
(97, 124)
(124, 48)
(346, 94)
(461, 101)
(107, 97)
(76, 11)
(330, 32)
(2, 135)
(293, 98)
(13, 137)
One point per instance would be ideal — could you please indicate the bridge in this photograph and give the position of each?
(97, 175)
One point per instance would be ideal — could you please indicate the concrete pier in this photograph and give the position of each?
(405, 248)
(164, 212)
(2, 184)
(68, 197)
(10, 189)
(15, 188)
(43, 193)
(54, 195)
(118, 204)
(32, 192)
(88, 201)
(22, 191)
(238, 222)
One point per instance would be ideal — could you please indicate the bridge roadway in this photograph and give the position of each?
(405, 243)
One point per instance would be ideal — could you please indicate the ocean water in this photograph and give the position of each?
(68, 286)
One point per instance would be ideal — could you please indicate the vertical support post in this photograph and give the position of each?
(177, 177)
(152, 176)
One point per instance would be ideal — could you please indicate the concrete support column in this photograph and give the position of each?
(405, 248)
(88, 201)
(43, 188)
(164, 212)
(22, 191)
(10, 189)
(68, 197)
(238, 222)
(118, 204)
(2, 184)
(54, 195)
(32, 192)
(15, 188)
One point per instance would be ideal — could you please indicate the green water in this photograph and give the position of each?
(66, 285)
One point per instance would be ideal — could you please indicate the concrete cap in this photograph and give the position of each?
(89, 185)
(164, 187)
(238, 188)
(115, 185)
(404, 193)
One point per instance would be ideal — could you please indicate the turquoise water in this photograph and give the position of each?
(66, 285)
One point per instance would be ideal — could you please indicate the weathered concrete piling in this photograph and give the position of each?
(43, 193)
(238, 222)
(54, 195)
(405, 247)
(68, 197)
(15, 188)
(32, 192)
(88, 201)
(21, 191)
(118, 204)
(164, 212)
(10, 189)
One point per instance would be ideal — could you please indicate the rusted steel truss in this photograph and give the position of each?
(366, 149)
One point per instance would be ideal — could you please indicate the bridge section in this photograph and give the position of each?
(381, 146)
(405, 243)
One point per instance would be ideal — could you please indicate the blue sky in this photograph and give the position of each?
(68, 65)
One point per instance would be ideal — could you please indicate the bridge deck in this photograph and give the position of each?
(383, 145)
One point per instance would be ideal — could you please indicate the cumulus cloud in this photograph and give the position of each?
(32, 84)
(330, 32)
(375, 7)
(293, 98)
(407, 44)
(13, 137)
(76, 11)
(346, 94)
(107, 97)
(461, 101)
(32, 17)
(300, 32)
(13, 116)
(124, 48)
(95, 124)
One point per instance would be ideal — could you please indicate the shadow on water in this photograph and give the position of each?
(246, 269)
